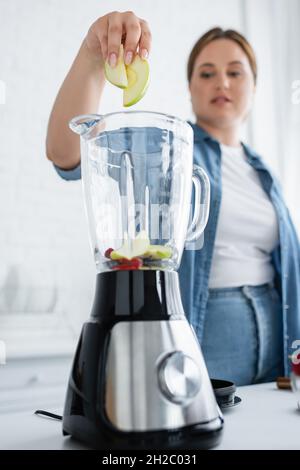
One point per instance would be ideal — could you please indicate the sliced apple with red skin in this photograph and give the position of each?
(117, 75)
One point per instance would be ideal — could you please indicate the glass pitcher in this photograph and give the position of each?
(138, 175)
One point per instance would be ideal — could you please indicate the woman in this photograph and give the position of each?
(244, 301)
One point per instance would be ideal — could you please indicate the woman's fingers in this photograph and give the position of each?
(108, 32)
(145, 40)
(114, 37)
(132, 30)
(97, 37)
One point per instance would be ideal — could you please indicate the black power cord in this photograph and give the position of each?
(48, 414)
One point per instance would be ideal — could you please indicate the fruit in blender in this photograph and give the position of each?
(137, 247)
(158, 252)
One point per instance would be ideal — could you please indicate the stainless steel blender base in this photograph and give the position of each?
(138, 379)
(156, 378)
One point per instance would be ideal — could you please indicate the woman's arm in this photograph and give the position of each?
(80, 93)
(82, 88)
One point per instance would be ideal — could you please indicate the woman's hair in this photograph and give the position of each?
(219, 33)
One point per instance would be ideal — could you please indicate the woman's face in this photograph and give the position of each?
(222, 84)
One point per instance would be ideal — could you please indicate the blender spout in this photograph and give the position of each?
(84, 123)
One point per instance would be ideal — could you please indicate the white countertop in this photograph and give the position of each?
(267, 418)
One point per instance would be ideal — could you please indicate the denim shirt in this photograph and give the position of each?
(195, 265)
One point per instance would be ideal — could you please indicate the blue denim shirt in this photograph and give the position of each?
(195, 265)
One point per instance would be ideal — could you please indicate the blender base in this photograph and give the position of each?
(102, 407)
(188, 438)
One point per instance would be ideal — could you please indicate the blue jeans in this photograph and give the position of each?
(242, 337)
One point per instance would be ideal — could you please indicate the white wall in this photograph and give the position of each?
(273, 28)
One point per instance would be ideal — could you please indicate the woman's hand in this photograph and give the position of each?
(108, 32)
(82, 88)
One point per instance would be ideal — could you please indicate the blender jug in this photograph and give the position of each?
(138, 379)
(137, 171)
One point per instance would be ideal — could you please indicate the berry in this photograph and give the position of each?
(129, 264)
(108, 252)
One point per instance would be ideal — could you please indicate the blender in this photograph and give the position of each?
(138, 379)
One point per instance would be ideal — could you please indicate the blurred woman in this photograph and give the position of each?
(241, 291)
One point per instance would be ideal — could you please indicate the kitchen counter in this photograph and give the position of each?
(267, 418)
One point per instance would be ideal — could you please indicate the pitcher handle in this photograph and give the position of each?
(201, 206)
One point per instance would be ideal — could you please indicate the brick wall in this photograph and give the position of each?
(46, 263)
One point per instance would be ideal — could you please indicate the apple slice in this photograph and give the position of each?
(158, 252)
(123, 252)
(139, 247)
(138, 81)
(117, 75)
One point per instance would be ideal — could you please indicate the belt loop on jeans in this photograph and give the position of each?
(247, 289)
(246, 292)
